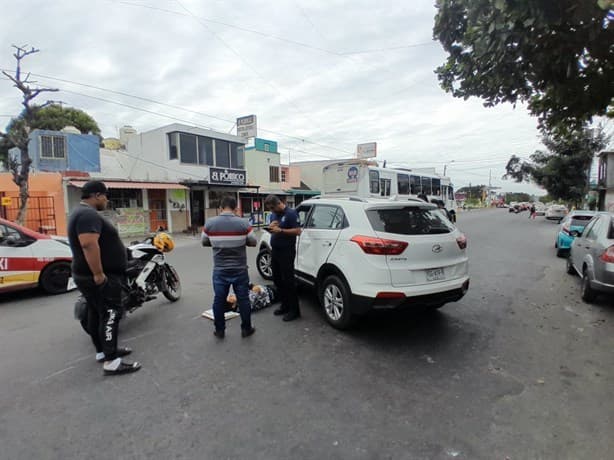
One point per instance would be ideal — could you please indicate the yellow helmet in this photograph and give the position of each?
(164, 242)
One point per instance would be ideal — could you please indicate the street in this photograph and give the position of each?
(520, 368)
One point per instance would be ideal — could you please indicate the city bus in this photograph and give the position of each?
(364, 178)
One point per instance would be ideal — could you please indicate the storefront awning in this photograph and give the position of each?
(135, 185)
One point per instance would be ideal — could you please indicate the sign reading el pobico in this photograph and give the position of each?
(246, 126)
(227, 176)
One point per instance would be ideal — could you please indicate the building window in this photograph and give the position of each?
(187, 148)
(53, 147)
(205, 151)
(125, 198)
(237, 156)
(274, 173)
(267, 147)
(173, 143)
(284, 175)
(222, 154)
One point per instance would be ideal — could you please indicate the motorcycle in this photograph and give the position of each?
(147, 275)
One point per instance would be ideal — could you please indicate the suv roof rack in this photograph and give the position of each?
(356, 198)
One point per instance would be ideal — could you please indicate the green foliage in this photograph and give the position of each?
(518, 197)
(55, 117)
(474, 191)
(557, 56)
(563, 168)
(546, 199)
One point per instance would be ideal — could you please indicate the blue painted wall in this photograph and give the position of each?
(82, 152)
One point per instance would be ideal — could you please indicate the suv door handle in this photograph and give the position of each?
(328, 243)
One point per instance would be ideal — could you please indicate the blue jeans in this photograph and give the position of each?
(239, 280)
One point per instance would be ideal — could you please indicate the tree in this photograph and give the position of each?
(518, 197)
(555, 55)
(472, 191)
(19, 130)
(55, 117)
(49, 115)
(563, 169)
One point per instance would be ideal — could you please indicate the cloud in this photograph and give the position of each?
(231, 59)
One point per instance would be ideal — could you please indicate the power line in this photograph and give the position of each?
(276, 37)
(252, 68)
(153, 101)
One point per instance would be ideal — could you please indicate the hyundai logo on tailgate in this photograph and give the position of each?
(436, 248)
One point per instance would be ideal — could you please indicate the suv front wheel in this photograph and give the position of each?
(335, 298)
(264, 264)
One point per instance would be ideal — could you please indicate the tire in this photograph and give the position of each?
(263, 264)
(588, 293)
(436, 306)
(334, 297)
(171, 283)
(54, 278)
(561, 253)
(570, 268)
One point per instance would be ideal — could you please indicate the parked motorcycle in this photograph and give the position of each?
(148, 274)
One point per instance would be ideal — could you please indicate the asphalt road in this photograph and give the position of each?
(520, 368)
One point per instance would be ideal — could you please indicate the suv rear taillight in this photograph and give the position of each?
(462, 242)
(608, 255)
(372, 245)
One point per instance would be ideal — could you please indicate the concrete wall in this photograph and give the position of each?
(257, 164)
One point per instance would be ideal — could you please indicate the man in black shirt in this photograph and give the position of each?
(98, 269)
(284, 227)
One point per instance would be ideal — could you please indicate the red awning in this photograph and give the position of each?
(135, 185)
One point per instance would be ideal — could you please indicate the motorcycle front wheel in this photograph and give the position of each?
(171, 285)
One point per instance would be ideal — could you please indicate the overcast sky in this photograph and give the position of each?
(321, 76)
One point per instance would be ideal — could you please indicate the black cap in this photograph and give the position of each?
(92, 187)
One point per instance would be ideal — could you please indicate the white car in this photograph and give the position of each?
(30, 259)
(556, 212)
(363, 254)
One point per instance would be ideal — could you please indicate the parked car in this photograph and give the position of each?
(556, 212)
(30, 259)
(363, 254)
(592, 257)
(540, 209)
(571, 226)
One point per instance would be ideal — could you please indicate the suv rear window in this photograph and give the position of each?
(409, 220)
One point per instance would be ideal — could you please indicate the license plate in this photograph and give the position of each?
(435, 274)
(71, 285)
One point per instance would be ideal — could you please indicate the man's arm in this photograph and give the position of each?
(204, 238)
(91, 251)
(251, 239)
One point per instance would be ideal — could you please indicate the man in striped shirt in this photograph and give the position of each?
(228, 235)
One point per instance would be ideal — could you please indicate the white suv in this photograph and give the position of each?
(363, 254)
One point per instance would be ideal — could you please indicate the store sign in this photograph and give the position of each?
(7, 201)
(227, 176)
(246, 126)
(368, 150)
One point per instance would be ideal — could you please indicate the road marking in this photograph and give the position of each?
(54, 374)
